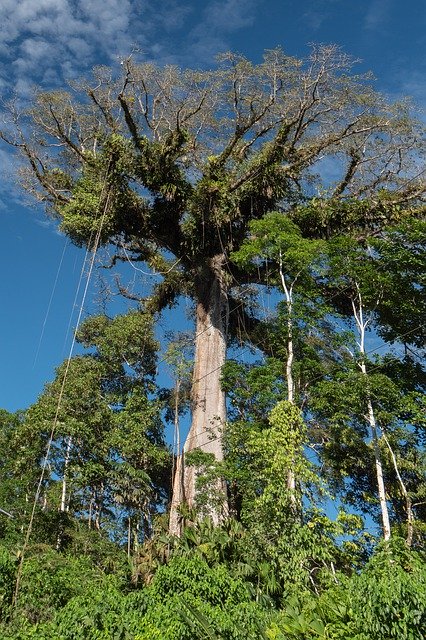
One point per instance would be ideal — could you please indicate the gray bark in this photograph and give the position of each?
(208, 398)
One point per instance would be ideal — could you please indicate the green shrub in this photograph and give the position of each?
(189, 600)
(386, 600)
(49, 580)
(7, 581)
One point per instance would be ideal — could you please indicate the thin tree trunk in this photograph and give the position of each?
(89, 520)
(63, 506)
(178, 497)
(98, 516)
(136, 539)
(98, 506)
(129, 536)
(379, 471)
(362, 325)
(408, 503)
(288, 292)
(208, 398)
(177, 472)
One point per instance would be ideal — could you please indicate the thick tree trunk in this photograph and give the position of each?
(208, 399)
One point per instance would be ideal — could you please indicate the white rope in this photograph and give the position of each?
(58, 407)
(49, 304)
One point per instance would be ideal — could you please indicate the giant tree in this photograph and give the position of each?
(169, 166)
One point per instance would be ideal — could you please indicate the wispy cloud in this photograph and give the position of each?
(377, 14)
(220, 19)
(49, 41)
(316, 13)
(414, 85)
(230, 15)
(314, 19)
(9, 167)
(42, 40)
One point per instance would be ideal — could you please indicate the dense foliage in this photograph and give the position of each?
(305, 508)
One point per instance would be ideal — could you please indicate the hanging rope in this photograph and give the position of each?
(61, 393)
(50, 304)
(74, 304)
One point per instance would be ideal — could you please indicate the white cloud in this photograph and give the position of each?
(36, 50)
(9, 164)
(230, 15)
(110, 15)
(80, 47)
(39, 37)
(47, 41)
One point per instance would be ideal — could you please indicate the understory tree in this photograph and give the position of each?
(375, 403)
(95, 439)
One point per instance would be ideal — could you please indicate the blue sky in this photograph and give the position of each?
(48, 42)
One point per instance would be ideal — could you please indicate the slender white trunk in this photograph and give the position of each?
(64, 506)
(381, 489)
(136, 539)
(177, 428)
(129, 536)
(288, 292)
(408, 503)
(99, 505)
(98, 516)
(208, 398)
(89, 520)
